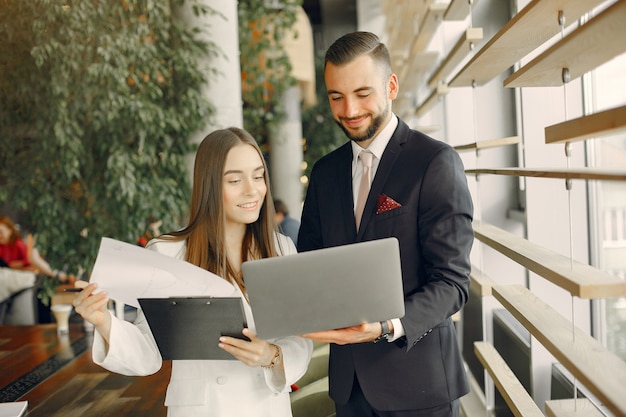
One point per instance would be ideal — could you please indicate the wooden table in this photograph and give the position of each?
(58, 378)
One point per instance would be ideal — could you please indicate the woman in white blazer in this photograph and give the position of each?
(221, 235)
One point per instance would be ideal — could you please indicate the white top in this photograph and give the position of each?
(217, 388)
(377, 147)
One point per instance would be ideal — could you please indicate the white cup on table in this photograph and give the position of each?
(61, 314)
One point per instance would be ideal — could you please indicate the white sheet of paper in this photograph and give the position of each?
(16, 409)
(128, 272)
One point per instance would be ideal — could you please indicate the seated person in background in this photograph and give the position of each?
(286, 224)
(13, 249)
(152, 231)
(17, 254)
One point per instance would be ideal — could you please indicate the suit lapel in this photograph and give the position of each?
(390, 155)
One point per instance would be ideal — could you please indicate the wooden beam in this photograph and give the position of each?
(440, 91)
(398, 23)
(403, 26)
(459, 9)
(480, 283)
(403, 101)
(586, 48)
(519, 401)
(491, 143)
(414, 72)
(579, 279)
(580, 407)
(428, 128)
(532, 26)
(461, 49)
(473, 404)
(564, 173)
(587, 127)
(427, 27)
(598, 369)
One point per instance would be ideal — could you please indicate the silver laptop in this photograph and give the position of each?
(325, 289)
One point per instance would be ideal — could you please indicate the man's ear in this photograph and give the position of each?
(394, 87)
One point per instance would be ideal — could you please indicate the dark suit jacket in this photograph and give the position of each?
(433, 226)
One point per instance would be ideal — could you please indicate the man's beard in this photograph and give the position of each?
(371, 130)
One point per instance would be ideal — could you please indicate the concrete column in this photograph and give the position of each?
(286, 154)
(224, 89)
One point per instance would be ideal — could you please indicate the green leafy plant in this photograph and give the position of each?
(47, 289)
(265, 66)
(97, 102)
(319, 129)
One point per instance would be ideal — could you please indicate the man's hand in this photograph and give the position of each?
(365, 332)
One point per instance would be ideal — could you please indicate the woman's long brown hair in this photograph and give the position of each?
(205, 233)
(14, 232)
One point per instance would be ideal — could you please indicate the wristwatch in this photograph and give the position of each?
(385, 333)
(275, 359)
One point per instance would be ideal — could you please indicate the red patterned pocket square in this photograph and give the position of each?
(386, 203)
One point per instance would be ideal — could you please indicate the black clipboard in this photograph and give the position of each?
(189, 327)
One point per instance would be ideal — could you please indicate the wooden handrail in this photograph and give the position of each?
(564, 173)
(400, 20)
(586, 127)
(532, 26)
(473, 404)
(578, 53)
(580, 280)
(440, 91)
(491, 143)
(414, 72)
(427, 27)
(598, 369)
(580, 407)
(464, 45)
(480, 283)
(459, 9)
(428, 128)
(511, 389)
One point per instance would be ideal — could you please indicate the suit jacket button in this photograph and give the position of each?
(221, 380)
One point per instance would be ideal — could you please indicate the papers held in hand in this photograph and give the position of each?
(13, 409)
(190, 327)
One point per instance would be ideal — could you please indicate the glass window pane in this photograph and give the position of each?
(609, 91)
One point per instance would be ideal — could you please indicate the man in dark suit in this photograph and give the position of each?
(411, 365)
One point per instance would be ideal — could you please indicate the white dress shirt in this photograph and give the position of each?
(377, 147)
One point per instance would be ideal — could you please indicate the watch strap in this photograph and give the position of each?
(385, 333)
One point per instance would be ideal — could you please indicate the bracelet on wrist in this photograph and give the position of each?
(275, 359)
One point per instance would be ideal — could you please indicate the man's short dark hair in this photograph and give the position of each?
(281, 207)
(352, 45)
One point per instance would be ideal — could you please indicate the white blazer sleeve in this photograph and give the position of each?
(132, 349)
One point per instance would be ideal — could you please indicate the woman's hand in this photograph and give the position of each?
(93, 307)
(255, 352)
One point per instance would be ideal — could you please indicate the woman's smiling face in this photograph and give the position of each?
(244, 185)
(5, 234)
